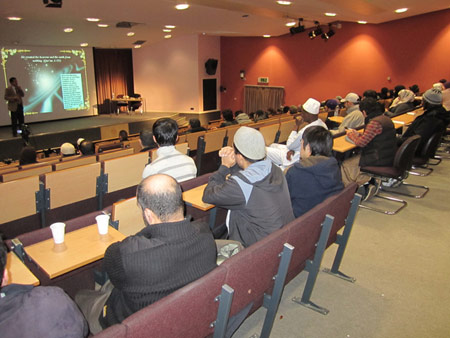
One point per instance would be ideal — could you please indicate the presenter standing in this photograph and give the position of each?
(14, 94)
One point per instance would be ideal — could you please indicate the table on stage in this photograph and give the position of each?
(18, 272)
(128, 101)
(194, 196)
(80, 247)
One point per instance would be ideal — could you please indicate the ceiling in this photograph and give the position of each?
(43, 26)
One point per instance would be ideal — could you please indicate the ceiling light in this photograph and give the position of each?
(14, 18)
(102, 25)
(170, 26)
(168, 36)
(330, 14)
(84, 44)
(93, 19)
(290, 23)
(68, 30)
(315, 32)
(300, 28)
(182, 6)
(266, 36)
(284, 3)
(165, 30)
(130, 34)
(362, 22)
(137, 46)
(401, 10)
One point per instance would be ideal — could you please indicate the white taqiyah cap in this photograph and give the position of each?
(311, 106)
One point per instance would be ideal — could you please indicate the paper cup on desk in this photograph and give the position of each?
(58, 230)
(102, 224)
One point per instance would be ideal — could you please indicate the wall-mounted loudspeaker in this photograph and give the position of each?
(211, 66)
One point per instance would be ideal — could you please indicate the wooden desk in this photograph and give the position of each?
(194, 196)
(337, 119)
(18, 272)
(80, 248)
(404, 119)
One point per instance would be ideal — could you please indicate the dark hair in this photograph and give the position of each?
(87, 147)
(163, 203)
(370, 93)
(414, 88)
(11, 79)
(319, 139)
(165, 131)
(293, 109)
(237, 152)
(443, 81)
(228, 115)
(194, 123)
(237, 112)
(27, 155)
(123, 135)
(371, 107)
(3, 256)
(285, 109)
(146, 137)
(397, 89)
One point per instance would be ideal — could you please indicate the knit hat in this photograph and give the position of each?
(406, 95)
(332, 104)
(433, 96)
(351, 97)
(311, 106)
(67, 149)
(250, 143)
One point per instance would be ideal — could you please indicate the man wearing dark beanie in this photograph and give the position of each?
(253, 189)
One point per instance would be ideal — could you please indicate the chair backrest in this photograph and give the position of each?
(182, 148)
(431, 145)
(270, 132)
(135, 145)
(285, 129)
(192, 139)
(231, 130)
(18, 198)
(125, 171)
(114, 154)
(405, 153)
(214, 140)
(182, 139)
(15, 175)
(75, 163)
(72, 185)
(109, 145)
(129, 215)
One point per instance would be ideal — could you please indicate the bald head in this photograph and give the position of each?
(161, 194)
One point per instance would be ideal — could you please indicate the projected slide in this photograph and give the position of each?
(58, 82)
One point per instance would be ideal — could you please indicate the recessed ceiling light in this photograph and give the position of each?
(170, 26)
(68, 30)
(284, 3)
(266, 36)
(14, 18)
(84, 44)
(165, 30)
(93, 19)
(168, 36)
(291, 23)
(401, 10)
(182, 6)
(137, 46)
(130, 34)
(330, 14)
(102, 25)
(362, 22)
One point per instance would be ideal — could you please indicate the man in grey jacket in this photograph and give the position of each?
(253, 189)
(354, 117)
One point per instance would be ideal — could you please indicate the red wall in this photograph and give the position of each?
(356, 58)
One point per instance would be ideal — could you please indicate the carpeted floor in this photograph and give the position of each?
(402, 267)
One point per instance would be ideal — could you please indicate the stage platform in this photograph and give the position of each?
(52, 134)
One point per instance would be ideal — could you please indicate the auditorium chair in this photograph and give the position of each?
(421, 160)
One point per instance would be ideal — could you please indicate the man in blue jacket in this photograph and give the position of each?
(317, 175)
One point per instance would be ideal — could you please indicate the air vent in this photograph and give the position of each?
(139, 42)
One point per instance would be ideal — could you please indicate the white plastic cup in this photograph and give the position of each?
(102, 224)
(58, 229)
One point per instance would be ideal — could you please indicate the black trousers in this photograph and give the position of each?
(17, 119)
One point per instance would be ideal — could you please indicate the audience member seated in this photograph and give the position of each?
(332, 107)
(378, 143)
(370, 93)
(87, 148)
(397, 90)
(402, 104)
(169, 160)
(385, 93)
(285, 109)
(43, 311)
(169, 253)
(415, 89)
(317, 175)
(286, 155)
(147, 141)
(354, 118)
(260, 115)
(194, 126)
(27, 156)
(123, 135)
(256, 194)
(242, 117)
(67, 149)
(293, 110)
(431, 121)
(446, 96)
(228, 118)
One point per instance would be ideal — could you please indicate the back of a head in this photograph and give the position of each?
(371, 107)
(293, 109)
(249, 142)
(397, 89)
(162, 195)
(432, 98)
(370, 93)
(319, 140)
(194, 123)
(67, 149)
(285, 109)
(227, 115)
(123, 135)
(87, 147)
(415, 88)
(3, 257)
(165, 131)
(146, 137)
(27, 155)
